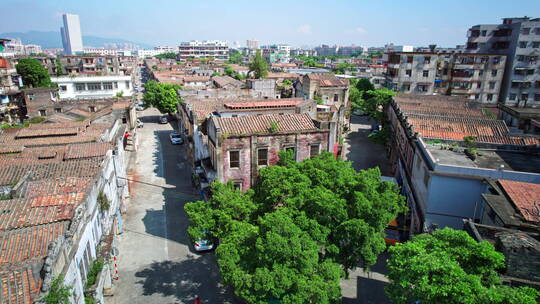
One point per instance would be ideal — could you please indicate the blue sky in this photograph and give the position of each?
(297, 22)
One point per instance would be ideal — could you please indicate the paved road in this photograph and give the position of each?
(364, 153)
(157, 263)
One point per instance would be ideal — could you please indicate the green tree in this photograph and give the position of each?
(258, 66)
(58, 67)
(292, 235)
(235, 57)
(58, 292)
(170, 55)
(33, 73)
(363, 85)
(373, 103)
(162, 96)
(450, 267)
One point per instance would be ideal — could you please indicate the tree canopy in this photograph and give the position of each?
(162, 96)
(302, 225)
(450, 267)
(258, 66)
(170, 55)
(34, 74)
(235, 57)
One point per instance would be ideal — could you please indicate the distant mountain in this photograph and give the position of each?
(50, 40)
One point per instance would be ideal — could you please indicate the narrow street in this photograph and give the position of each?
(157, 262)
(359, 149)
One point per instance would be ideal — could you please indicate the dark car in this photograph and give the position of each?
(163, 119)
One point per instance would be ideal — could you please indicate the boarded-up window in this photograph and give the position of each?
(262, 157)
(314, 150)
(234, 159)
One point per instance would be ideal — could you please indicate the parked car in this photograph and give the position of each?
(203, 244)
(140, 107)
(176, 139)
(163, 119)
(140, 124)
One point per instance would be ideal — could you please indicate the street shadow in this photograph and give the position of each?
(369, 291)
(362, 152)
(185, 280)
(149, 118)
(170, 163)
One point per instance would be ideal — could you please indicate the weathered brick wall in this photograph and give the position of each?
(275, 143)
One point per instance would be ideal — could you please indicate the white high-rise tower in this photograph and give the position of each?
(71, 34)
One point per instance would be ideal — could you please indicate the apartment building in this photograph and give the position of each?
(475, 76)
(442, 181)
(71, 34)
(252, 44)
(215, 49)
(519, 40)
(95, 64)
(93, 86)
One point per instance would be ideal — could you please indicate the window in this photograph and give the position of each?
(536, 97)
(476, 96)
(512, 97)
(94, 86)
(405, 87)
(58, 110)
(63, 88)
(515, 84)
(336, 97)
(237, 185)
(524, 96)
(483, 33)
(425, 73)
(42, 112)
(127, 84)
(409, 59)
(408, 73)
(234, 159)
(537, 31)
(91, 109)
(293, 149)
(530, 71)
(480, 72)
(521, 58)
(494, 73)
(115, 85)
(526, 31)
(478, 85)
(489, 97)
(107, 86)
(492, 84)
(536, 44)
(537, 85)
(262, 157)
(496, 60)
(427, 59)
(314, 150)
(422, 88)
(523, 44)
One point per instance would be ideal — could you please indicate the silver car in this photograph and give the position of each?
(176, 139)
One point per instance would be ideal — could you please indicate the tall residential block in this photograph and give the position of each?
(71, 34)
(252, 44)
(519, 40)
(473, 76)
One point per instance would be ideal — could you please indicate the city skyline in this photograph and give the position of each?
(301, 23)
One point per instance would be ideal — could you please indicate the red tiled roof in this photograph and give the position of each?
(223, 81)
(20, 286)
(261, 124)
(25, 244)
(19, 213)
(274, 103)
(87, 150)
(525, 196)
(25, 133)
(11, 149)
(328, 80)
(56, 186)
(77, 168)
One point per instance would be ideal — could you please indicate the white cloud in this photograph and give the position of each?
(304, 29)
(360, 30)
